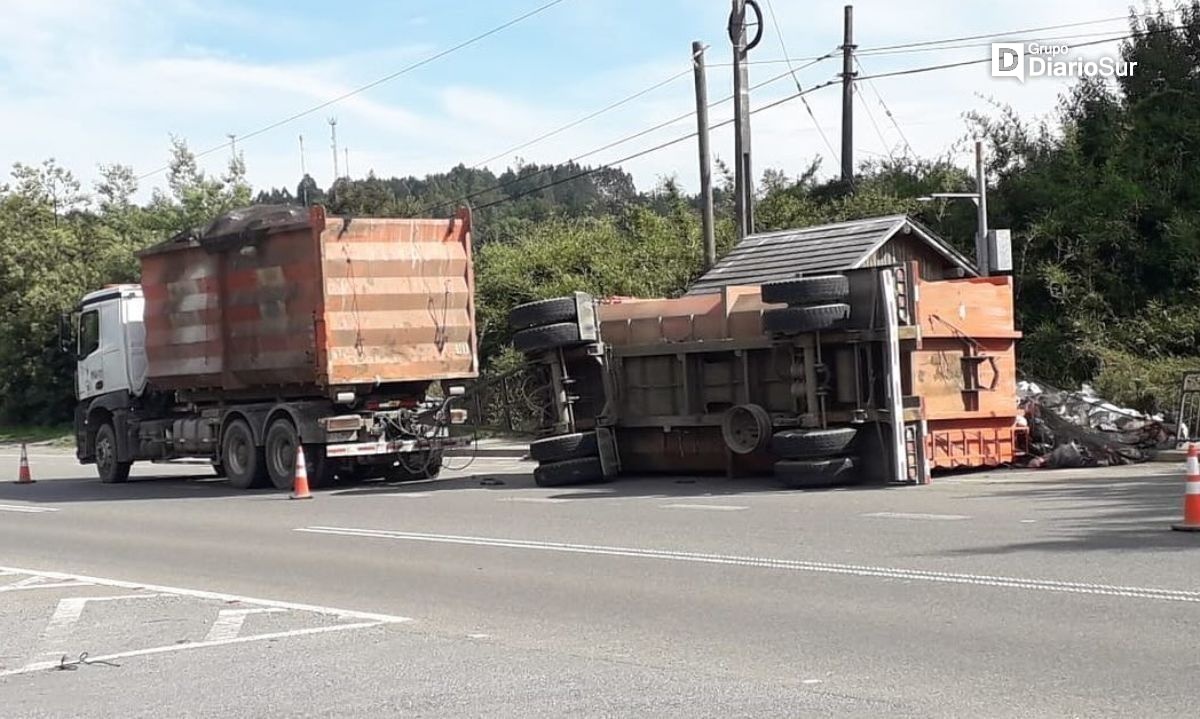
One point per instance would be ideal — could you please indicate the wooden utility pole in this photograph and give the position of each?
(706, 191)
(848, 75)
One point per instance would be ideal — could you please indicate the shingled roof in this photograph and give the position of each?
(814, 250)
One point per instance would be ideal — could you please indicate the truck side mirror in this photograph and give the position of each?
(66, 333)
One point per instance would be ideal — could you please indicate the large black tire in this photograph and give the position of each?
(812, 443)
(244, 463)
(418, 465)
(795, 320)
(568, 472)
(814, 473)
(808, 290)
(279, 450)
(548, 337)
(565, 446)
(542, 312)
(110, 470)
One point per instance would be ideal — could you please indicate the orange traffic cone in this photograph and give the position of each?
(1191, 493)
(300, 484)
(23, 476)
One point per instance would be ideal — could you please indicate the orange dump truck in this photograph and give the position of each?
(277, 328)
(869, 374)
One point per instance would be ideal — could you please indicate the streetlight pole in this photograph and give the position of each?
(979, 197)
(981, 239)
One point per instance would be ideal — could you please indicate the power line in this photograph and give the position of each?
(677, 140)
(964, 63)
(887, 110)
(374, 83)
(943, 48)
(783, 45)
(871, 117)
(623, 140)
(649, 150)
(607, 108)
(1022, 31)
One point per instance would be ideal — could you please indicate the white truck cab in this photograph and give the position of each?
(110, 343)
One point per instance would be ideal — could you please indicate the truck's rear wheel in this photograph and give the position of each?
(280, 451)
(244, 463)
(110, 470)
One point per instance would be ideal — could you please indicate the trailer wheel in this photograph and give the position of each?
(565, 446)
(795, 320)
(542, 312)
(812, 443)
(746, 428)
(568, 472)
(808, 290)
(547, 337)
(321, 469)
(815, 473)
(244, 463)
(280, 452)
(110, 470)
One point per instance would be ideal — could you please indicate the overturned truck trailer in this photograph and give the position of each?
(868, 375)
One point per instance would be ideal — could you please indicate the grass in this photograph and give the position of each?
(56, 435)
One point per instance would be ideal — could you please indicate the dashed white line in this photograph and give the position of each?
(918, 515)
(1044, 585)
(534, 500)
(229, 622)
(26, 509)
(713, 507)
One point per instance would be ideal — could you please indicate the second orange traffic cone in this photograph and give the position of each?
(300, 483)
(1191, 494)
(23, 475)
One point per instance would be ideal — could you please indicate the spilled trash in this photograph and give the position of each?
(1081, 429)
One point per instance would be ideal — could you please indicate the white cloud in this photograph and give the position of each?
(90, 82)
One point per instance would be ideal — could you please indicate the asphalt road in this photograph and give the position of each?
(1001, 594)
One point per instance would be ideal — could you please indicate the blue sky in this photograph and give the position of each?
(107, 81)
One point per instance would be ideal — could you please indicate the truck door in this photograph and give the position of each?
(89, 368)
(102, 364)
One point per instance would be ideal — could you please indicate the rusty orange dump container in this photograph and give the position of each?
(304, 304)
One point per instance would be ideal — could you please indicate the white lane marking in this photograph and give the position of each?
(66, 614)
(917, 515)
(229, 622)
(407, 495)
(714, 507)
(219, 596)
(25, 508)
(534, 500)
(1044, 585)
(811, 681)
(41, 666)
(39, 582)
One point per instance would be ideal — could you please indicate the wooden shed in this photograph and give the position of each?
(872, 242)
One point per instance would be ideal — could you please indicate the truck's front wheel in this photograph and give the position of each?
(111, 471)
(243, 462)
